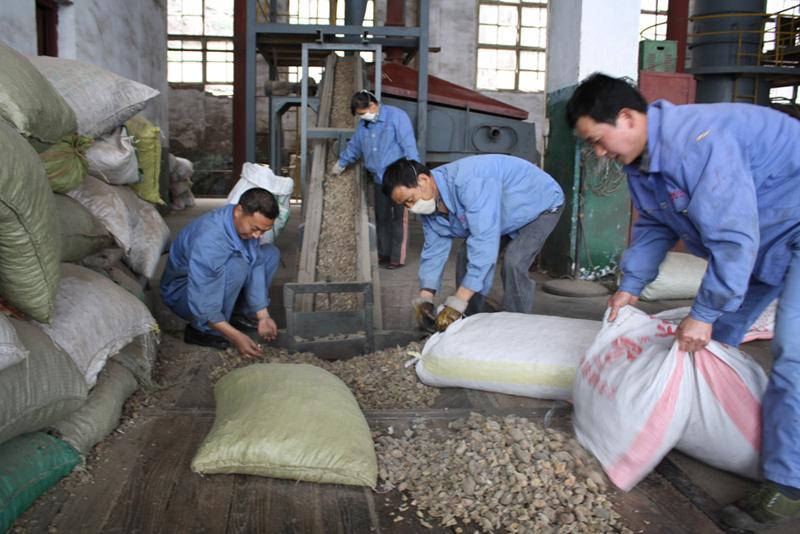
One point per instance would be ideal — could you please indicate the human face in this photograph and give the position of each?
(250, 225)
(408, 196)
(623, 141)
(370, 111)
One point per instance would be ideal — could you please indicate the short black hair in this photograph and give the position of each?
(601, 98)
(403, 172)
(261, 201)
(361, 100)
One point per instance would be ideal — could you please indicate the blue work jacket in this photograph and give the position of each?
(197, 261)
(487, 197)
(381, 143)
(725, 178)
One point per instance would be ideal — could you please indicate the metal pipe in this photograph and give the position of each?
(395, 16)
(677, 27)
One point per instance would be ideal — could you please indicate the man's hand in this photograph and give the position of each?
(453, 310)
(267, 328)
(424, 313)
(245, 345)
(619, 300)
(693, 335)
(337, 169)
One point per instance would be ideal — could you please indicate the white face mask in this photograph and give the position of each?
(369, 117)
(423, 207)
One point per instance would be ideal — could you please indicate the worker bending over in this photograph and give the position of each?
(383, 135)
(724, 178)
(491, 201)
(216, 266)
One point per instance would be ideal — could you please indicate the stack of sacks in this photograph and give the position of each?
(71, 320)
(180, 183)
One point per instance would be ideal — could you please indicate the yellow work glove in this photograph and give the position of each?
(423, 310)
(452, 311)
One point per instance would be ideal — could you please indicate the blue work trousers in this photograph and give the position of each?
(238, 274)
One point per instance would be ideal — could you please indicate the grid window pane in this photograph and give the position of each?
(533, 37)
(531, 81)
(219, 45)
(218, 17)
(219, 72)
(531, 60)
(185, 24)
(193, 45)
(505, 79)
(488, 15)
(219, 57)
(487, 34)
(507, 16)
(534, 16)
(191, 72)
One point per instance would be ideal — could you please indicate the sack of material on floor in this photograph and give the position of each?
(94, 318)
(256, 175)
(102, 100)
(109, 207)
(30, 103)
(679, 277)
(12, 351)
(139, 357)
(149, 234)
(29, 244)
(147, 142)
(65, 162)
(180, 169)
(81, 234)
(512, 353)
(41, 389)
(86, 427)
(292, 421)
(762, 328)
(636, 396)
(112, 158)
(29, 466)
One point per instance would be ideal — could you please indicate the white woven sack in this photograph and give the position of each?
(512, 353)
(679, 277)
(113, 158)
(94, 318)
(102, 100)
(631, 401)
(106, 204)
(256, 175)
(636, 396)
(149, 235)
(12, 351)
(180, 169)
(762, 328)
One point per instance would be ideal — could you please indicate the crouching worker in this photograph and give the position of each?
(216, 267)
(495, 202)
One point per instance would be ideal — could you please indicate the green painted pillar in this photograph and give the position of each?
(593, 231)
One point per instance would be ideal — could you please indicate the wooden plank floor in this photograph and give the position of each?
(142, 481)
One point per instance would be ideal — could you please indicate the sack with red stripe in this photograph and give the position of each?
(636, 396)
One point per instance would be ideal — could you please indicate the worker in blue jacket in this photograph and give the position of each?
(724, 178)
(383, 135)
(493, 202)
(214, 264)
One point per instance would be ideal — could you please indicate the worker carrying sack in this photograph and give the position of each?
(636, 396)
(255, 175)
(495, 352)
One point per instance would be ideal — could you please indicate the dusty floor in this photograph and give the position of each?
(138, 479)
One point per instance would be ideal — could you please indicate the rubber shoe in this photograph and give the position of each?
(763, 508)
(193, 336)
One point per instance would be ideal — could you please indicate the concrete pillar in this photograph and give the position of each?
(585, 36)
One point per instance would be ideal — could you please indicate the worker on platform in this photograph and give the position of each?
(496, 203)
(383, 135)
(724, 178)
(217, 268)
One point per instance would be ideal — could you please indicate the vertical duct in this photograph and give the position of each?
(395, 16)
(354, 12)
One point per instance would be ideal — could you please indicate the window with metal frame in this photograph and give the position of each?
(200, 44)
(512, 43)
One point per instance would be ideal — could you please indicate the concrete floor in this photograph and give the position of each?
(707, 487)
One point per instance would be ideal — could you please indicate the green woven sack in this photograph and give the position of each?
(65, 162)
(40, 390)
(292, 421)
(30, 103)
(29, 466)
(81, 234)
(147, 142)
(29, 239)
